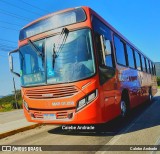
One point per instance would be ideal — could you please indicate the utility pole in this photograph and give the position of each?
(15, 94)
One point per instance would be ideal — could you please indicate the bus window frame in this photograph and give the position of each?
(140, 57)
(92, 16)
(126, 56)
(144, 68)
(94, 56)
(136, 51)
(127, 44)
(125, 53)
(149, 66)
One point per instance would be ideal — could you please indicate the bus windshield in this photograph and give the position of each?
(74, 60)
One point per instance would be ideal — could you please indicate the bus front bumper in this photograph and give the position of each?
(90, 114)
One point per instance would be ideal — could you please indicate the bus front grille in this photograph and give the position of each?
(55, 92)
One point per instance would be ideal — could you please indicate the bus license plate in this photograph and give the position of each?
(49, 116)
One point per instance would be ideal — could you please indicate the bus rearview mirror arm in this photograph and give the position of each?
(11, 62)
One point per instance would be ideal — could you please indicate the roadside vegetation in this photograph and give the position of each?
(8, 103)
(158, 82)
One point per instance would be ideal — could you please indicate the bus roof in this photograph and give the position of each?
(94, 13)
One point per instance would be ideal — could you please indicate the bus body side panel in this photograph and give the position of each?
(137, 83)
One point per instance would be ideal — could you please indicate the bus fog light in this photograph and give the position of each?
(25, 105)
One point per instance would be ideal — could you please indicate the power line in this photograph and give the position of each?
(35, 6)
(3, 56)
(7, 41)
(14, 15)
(2, 51)
(10, 23)
(9, 28)
(5, 50)
(20, 7)
(7, 46)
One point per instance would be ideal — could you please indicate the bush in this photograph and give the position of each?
(7, 103)
(6, 107)
(158, 81)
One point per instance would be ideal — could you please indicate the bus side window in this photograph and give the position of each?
(143, 64)
(138, 61)
(148, 66)
(130, 54)
(120, 51)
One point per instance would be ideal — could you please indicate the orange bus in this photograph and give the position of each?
(75, 68)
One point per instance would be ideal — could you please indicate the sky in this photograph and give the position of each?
(137, 20)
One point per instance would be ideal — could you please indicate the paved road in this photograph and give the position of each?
(142, 127)
(10, 116)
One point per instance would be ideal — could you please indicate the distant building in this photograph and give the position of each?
(157, 64)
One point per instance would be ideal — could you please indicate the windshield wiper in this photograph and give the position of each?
(64, 32)
(57, 50)
(54, 55)
(34, 47)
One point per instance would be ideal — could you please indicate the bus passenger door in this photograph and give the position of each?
(107, 71)
(107, 76)
(106, 68)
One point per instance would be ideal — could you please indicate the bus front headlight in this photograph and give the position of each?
(87, 99)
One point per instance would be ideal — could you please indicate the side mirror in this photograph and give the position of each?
(107, 44)
(106, 48)
(11, 62)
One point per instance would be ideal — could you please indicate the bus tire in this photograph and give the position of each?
(124, 105)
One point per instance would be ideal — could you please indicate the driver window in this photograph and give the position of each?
(102, 29)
